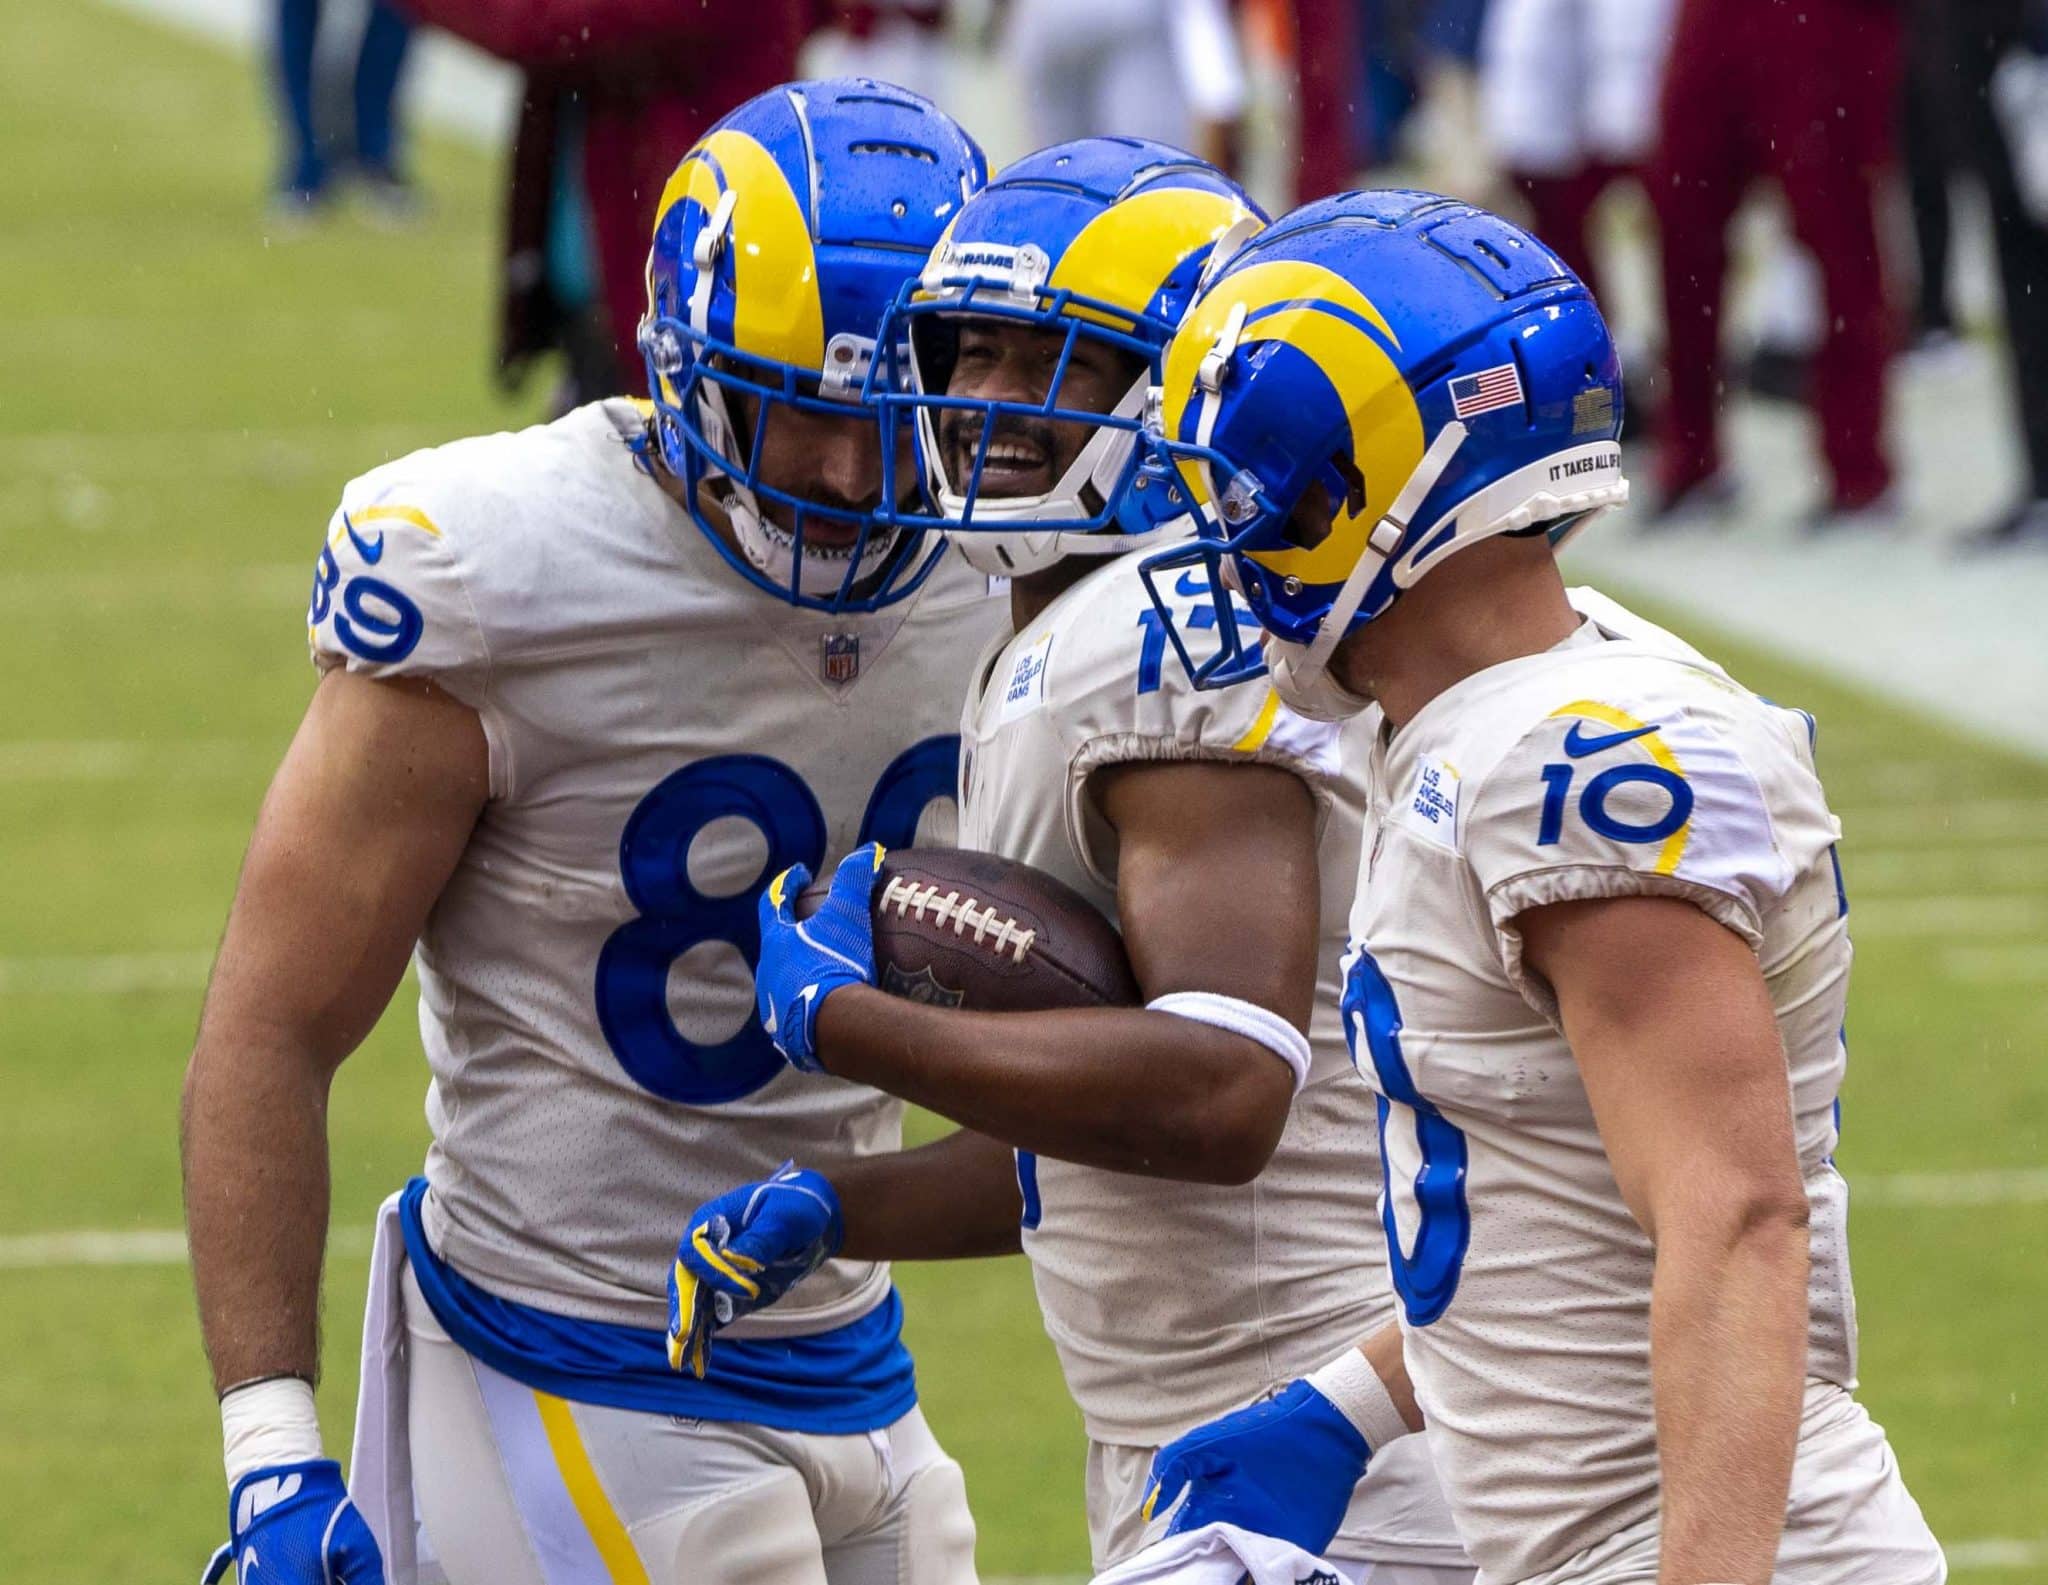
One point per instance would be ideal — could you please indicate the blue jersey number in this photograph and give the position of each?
(377, 621)
(1557, 786)
(1425, 1277)
(674, 916)
(1202, 619)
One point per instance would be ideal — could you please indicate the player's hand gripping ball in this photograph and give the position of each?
(1284, 1468)
(293, 1524)
(803, 962)
(745, 1249)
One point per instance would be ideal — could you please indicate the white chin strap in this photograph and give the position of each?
(1380, 544)
(770, 550)
(1582, 482)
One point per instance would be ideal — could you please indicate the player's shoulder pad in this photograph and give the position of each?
(1621, 771)
(448, 561)
(389, 593)
(1120, 692)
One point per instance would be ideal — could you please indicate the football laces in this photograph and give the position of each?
(907, 898)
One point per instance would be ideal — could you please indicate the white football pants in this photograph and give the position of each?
(517, 1487)
(1850, 1520)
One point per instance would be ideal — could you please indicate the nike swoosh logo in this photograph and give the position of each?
(369, 552)
(1577, 745)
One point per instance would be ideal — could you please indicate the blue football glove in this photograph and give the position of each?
(746, 1249)
(801, 964)
(292, 1524)
(1284, 1468)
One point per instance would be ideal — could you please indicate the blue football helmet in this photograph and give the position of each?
(1098, 243)
(1438, 371)
(779, 243)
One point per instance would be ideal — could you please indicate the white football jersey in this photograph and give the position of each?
(1170, 1303)
(1619, 763)
(664, 736)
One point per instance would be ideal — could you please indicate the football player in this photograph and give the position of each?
(1214, 826)
(582, 688)
(1599, 955)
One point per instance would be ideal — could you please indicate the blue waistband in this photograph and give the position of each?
(854, 1378)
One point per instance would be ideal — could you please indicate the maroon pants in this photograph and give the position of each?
(1804, 91)
(1326, 66)
(1560, 208)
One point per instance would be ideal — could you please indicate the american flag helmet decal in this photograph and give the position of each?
(1473, 394)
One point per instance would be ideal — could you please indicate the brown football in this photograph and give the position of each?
(961, 929)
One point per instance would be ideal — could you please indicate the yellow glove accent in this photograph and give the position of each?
(725, 1262)
(686, 1314)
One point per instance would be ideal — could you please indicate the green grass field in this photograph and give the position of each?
(180, 399)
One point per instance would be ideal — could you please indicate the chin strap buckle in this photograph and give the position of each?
(1209, 375)
(710, 242)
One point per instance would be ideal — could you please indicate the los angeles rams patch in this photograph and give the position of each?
(1024, 690)
(1431, 807)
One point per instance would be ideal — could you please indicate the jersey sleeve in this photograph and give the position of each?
(1121, 696)
(390, 598)
(1600, 800)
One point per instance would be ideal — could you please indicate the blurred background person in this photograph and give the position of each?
(1994, 90)
(550, 296)
(313, 156)
(904, 42)
(1568, 95)
(1170, 70)
(1329, 89)
(1451, 143)
(1805, 91)
(640, 81)
(1931, 155)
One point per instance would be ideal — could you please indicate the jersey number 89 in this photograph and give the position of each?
(674, 916)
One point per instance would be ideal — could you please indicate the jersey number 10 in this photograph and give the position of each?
(674, 916)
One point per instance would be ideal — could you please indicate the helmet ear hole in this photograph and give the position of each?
(1309, 524)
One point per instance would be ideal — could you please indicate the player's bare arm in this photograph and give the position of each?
(1136, 1090)
(1674, 1035)
(953, 1199)
(368, 813)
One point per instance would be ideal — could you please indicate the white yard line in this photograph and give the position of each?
(1916, 1190)
(1996, 1554)
(154, 1246)
(1944, 820)
(2022, 964)
(104, 973)
(126, 759)
(85, 450)
(1891, 778)
(1897, 918)
(282, 586)
(1922, 869)
(166, 1246)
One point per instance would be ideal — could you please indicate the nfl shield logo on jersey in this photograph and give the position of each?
(839, 658)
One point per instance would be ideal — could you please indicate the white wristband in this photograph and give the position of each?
(1254, 1022)
(1350, 1383)
(269, 1422)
